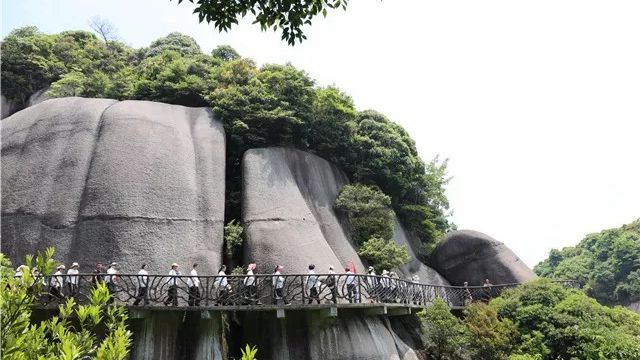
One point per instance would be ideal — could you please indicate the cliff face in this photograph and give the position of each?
(102, 180)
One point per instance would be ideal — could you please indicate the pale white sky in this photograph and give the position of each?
(535, 103)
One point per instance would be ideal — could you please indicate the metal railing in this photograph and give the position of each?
(261, 289)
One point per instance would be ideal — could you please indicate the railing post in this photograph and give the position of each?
(205, 293)
(304, 295)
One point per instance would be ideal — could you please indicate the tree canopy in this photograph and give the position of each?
(271, 105)
(606, 263)
(288, 16)
(540, 320)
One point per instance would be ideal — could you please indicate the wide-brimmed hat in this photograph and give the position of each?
(174, 264)
(252, 267)
(385, 272)
(330, 267)
(61, 266)
(75, 264)
(114, 264)
(370, 268)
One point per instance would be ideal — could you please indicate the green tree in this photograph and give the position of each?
(444, 335)
(491, 338)
(225, 52)
(369, 212)
(175, 41)
(288, 16)
(566, 324)
(233, 237)
(384, 254)
(607, 264)
(96, 330)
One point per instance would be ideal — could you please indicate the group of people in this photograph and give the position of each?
(485, 295)
(385, 288)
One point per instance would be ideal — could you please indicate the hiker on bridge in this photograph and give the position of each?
(56, 283)
(172, 296)
(222, 286)
(250, 284)
(385, 286)
(415, 287)
(72, 279)
(330, 281)
(97, 274)
(466, 295)
(373, 284)
(142, 286)
(310, 283)
(193, 282)
(112, 280)
(351, 285)
(278, 285)
(487, 290)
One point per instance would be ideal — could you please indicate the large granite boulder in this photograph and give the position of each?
(472, 256)
(309, 335)
(287, 211)
(101, 180)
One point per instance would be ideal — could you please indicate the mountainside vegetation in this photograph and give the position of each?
(540, 320)
(271, 105)
(607, 264)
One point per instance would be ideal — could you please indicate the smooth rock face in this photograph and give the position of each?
(415, 266)
(472, 256)
(101, 180)
(309, 335)
(634, 306)
(288, 198)
(7, 106)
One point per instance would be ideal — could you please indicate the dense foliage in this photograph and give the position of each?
(539, 320)
(92, 331)
(607, 264)
(372, 223)
(288, 16)
(272, 105)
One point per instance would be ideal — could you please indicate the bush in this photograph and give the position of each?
(233, 237)
(384, 254)
(444, 335)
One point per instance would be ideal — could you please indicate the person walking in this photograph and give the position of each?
(172, 281)
(72, 279)
(278, 285)
(56, 283)
(466, 295)
(372, 284)
(143, 286)
(310, 283)
(330, 281)
(385, 285)
(194, 287)
(351, 285)
(393, 286)
(250, 284)
(488, 293)
(112, 280)
(416, 290)
(222, 286)
(98, 276)
(19, 271)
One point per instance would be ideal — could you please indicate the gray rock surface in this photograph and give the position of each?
(7, 106)
(38, 97)
(288, 214)
(415, 266)
(101, 180)
(310, 336)
(634, 306)
(472, 256)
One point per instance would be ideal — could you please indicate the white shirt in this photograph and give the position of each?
(110, 274)
(142, 278)
(221, 281)
(350, 278)
(385, 280)
(311, 279)
(371, 279)
(193, 280)
(173, 280)
(250, 279)
(56, 280)
(277, 281)
(74, 278)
